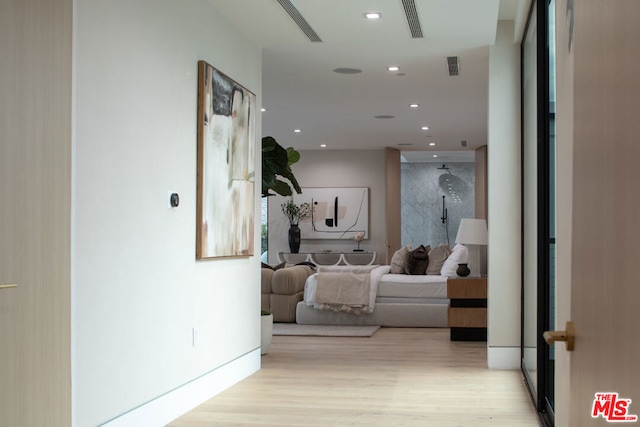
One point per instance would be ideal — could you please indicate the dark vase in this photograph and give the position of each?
(463, 270)
(294, 239)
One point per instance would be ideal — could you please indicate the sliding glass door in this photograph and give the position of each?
(538, 205)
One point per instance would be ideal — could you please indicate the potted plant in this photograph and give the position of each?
(266, 331)
(276, 162)
(295, 214)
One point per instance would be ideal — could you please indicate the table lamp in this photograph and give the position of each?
(473, 234)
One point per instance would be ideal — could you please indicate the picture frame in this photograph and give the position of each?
(226, 144)
(338, 213)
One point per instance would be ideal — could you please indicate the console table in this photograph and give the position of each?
(467, 308)
(329, 258)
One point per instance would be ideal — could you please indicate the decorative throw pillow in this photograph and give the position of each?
(459, 254)
(281, 265)
(308, 264)
(437, 257)
(418, 260)
(264, 265)
(398, 260)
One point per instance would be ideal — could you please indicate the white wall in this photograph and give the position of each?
(335, 168)
(504, 201)
(138, 290)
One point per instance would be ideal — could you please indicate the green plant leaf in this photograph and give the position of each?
(293, 156)
(275, 162)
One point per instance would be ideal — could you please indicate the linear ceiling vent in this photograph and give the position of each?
(299, 19)
(412, 18)
(454, 65)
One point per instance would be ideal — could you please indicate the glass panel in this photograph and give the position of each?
(530, 204)
(552, 202)
(264, 230)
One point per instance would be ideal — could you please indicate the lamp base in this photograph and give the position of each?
(474, 260)
(463, 270)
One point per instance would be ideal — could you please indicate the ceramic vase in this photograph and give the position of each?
(294, 239)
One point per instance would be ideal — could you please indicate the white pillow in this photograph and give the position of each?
(459, 254)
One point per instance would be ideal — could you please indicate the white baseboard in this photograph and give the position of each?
(503, 357)
(169, 406)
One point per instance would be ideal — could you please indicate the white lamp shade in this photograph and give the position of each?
(472, 232)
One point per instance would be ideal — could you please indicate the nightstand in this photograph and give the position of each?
(467, 308)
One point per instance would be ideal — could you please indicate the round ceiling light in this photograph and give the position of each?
(347, 70)
(372, 15)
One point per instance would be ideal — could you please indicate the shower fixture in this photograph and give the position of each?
(444, 212)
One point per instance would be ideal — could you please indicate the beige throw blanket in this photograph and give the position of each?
(346, 288)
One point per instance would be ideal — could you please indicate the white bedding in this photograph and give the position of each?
(408, 286)
(385, 286)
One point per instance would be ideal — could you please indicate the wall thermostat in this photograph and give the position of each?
(174, 200)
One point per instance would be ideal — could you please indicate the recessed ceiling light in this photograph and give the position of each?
(414, 105)
(263, 109)
(347, 70)
(425, 127)
(372, 15)
(432, 144)
(297, 130)
(323, 145)
(393, 68)
(435, 155)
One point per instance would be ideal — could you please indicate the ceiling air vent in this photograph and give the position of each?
(412, 18)
(463, 143)
(454, 65)
(299, 20)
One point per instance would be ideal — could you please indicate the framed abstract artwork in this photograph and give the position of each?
(226, 166)
(338, 213)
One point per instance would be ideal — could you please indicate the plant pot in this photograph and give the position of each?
(266, 332)
(294, 239)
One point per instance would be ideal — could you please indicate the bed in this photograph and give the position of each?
(397, 299)
(401, 300)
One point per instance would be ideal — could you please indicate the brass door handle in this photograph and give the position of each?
(568, 336)
(8, 285)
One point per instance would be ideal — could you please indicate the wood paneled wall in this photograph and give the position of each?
(392, 203)
(35, 212)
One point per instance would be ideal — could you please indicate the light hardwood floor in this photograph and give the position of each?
(398, 377)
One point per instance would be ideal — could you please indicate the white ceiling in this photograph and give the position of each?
(301, 91)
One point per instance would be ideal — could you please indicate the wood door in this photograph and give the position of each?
(35, 212)
(598, 80)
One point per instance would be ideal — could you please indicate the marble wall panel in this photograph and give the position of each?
(422, 188)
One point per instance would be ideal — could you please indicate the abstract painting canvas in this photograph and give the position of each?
(226, 169)
(338, 213)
